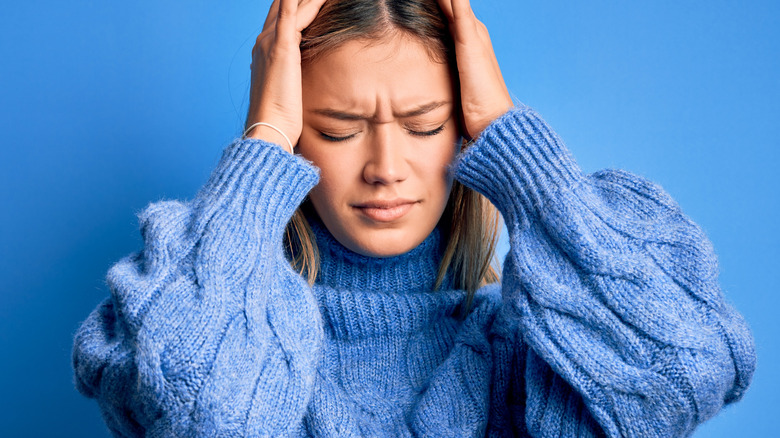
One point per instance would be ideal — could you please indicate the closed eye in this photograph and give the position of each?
(335, 139)
(427, 133)
(411, 131)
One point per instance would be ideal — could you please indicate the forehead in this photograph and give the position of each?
(393, 72)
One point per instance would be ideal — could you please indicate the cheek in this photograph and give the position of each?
(333, 185)
(434, 168)
(441, 157)
(328, 197)
(337, 173)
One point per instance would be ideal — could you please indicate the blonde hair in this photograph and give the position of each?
(470, 223)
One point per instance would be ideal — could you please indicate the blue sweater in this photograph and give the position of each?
(609, 319)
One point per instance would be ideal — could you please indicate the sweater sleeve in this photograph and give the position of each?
(615, 289)
(208, 331)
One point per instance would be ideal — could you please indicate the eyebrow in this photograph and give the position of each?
(344, 115)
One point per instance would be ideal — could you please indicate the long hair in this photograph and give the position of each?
(470, 222)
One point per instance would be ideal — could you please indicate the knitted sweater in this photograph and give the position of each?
(608, 321)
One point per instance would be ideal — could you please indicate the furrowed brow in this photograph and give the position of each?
(422, 109)
(344, 115)
(341, 115)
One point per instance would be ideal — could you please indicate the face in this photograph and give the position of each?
(379, 121)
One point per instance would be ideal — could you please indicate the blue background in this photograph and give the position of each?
(107, 106)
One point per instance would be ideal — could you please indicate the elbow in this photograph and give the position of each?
(92, 347)
(104, 370)
(723, 372)
(708, 378)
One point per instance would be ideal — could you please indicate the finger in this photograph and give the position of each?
(307, 12)
(464, 24)
(285, 23)
(461, 9)
(273, 11)
(446, 7)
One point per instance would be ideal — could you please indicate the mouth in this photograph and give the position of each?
(385, 210)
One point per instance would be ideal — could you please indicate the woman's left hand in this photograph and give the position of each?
(484, 95)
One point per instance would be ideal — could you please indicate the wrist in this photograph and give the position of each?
(497, 112)
(269, 134)
(519, 164)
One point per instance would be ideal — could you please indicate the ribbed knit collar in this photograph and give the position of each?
(368, 296)
(342, 268)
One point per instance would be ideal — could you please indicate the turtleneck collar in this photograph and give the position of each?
(362, 297)
(342, 268)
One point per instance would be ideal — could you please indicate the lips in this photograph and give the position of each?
(385, 210)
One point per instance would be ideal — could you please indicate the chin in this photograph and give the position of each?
(384, 243)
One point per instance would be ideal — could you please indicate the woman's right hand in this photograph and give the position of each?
(275, 95)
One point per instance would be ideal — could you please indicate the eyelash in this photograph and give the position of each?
(427, 133)
(415, 133)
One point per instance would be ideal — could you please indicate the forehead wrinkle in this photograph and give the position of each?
(347, 96)
(375, 118)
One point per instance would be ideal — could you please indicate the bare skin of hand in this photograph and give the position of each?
(484, 95)
(275, 95)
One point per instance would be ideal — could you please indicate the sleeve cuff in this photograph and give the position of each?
(518, 163)
(266, 179)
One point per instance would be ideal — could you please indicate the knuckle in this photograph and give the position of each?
(261, 47)
(260, 42)
(278, 51)
(285, 14)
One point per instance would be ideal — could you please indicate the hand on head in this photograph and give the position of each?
(275, 95)
(374, 109)
(484, 95)
(275, 92)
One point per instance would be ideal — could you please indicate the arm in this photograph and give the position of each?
(208, 330)
(616, 291)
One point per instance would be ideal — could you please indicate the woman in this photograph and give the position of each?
(345, 289)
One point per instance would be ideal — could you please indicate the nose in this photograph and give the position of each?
(386, 162)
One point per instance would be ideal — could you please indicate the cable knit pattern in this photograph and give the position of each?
(615, 288)
(609, 320)
(208, 330)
